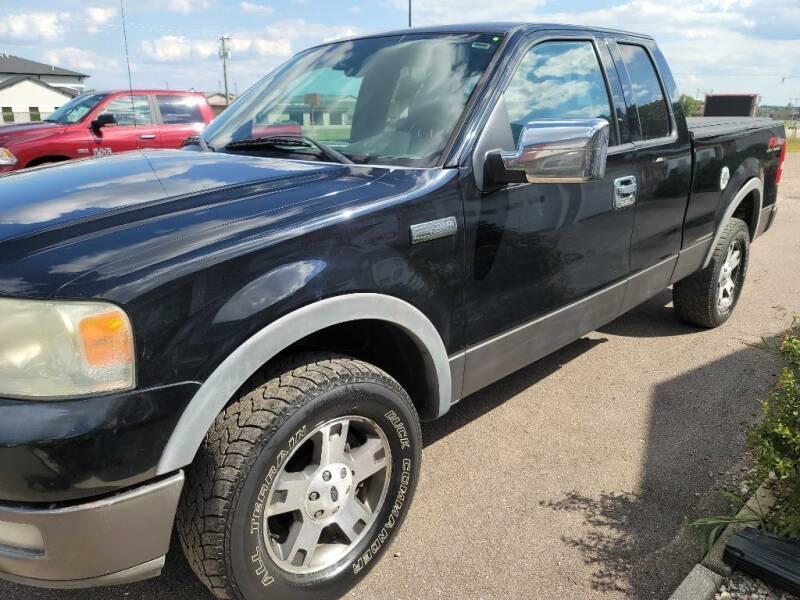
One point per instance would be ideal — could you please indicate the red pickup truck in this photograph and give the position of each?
(103, 123)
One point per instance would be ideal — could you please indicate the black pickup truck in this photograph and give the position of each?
(241, 338)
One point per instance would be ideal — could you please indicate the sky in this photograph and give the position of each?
(712, 45)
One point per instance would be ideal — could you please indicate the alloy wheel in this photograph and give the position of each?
(729, 277)
(327, 494)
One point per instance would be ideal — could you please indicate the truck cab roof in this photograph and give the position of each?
(498, 27)
(147, 91)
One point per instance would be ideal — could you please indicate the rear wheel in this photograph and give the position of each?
(302, 482)
(708, 297)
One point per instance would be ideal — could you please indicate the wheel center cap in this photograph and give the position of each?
(328, 490)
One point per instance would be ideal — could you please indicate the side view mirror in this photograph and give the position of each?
(554, 151)
(104, 120)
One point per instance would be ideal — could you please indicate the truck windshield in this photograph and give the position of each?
(76, 109)
(391, 100)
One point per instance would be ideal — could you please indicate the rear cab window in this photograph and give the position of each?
(646, 92)
(179, 110)
(130, 111)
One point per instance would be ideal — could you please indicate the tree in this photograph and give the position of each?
(691, 106)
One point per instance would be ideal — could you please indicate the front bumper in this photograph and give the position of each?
(70, 450)
(119, 539)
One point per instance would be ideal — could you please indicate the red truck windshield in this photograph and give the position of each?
(76, 109)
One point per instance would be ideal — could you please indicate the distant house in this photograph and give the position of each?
(14, 66)
(29, 91)
(779, 113)
(317, 110)
(310, 110)
(217, 102)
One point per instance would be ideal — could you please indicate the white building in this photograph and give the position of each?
(29, 91)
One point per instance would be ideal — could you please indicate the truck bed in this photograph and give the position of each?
(743, 145)
(706, 127)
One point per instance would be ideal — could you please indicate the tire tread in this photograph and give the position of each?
(694, 297)
(235, 440)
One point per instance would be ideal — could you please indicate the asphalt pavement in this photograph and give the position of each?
(577, 477)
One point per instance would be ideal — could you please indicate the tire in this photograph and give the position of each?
(274, 434)
(697, 298)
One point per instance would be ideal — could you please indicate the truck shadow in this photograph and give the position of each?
(639, 541)
(486, 400)
(654, 318)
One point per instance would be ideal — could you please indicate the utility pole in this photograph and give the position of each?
(409, 13)
(225, 54)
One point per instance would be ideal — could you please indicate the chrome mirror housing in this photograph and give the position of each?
(560, 151)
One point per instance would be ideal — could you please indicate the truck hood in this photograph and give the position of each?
(28, 131)
(81, 209)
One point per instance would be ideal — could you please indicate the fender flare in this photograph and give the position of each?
(237, 368)
(753, 184)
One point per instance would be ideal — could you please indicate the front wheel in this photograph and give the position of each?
(302, 482)
(708, 297)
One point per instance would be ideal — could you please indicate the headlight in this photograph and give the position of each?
(51, 349)
(7, 157)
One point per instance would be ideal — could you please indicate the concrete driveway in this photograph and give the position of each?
(576, 477)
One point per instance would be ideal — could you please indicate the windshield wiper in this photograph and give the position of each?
(288, 143)
(197, 140)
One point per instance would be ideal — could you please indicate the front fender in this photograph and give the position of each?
(267, 343)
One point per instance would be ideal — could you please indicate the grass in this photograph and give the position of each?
(775, 445)
(794, 145)
(775, 441)
(328, 133)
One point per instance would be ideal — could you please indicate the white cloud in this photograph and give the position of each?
(580, 60)
(33, 26)
(72, 57)
(78, 58)
(309, 33)
(171, 48)
(179, 49)
(256, 9)
(428, 12)
(259, 46)
(98, 16)
(186, 6)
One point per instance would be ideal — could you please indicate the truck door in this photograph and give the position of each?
(662, 152)
(534, 249)
(135, 127)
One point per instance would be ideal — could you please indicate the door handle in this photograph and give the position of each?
(625, 191)
(147, 136)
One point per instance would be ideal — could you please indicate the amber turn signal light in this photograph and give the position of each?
(106, 339)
